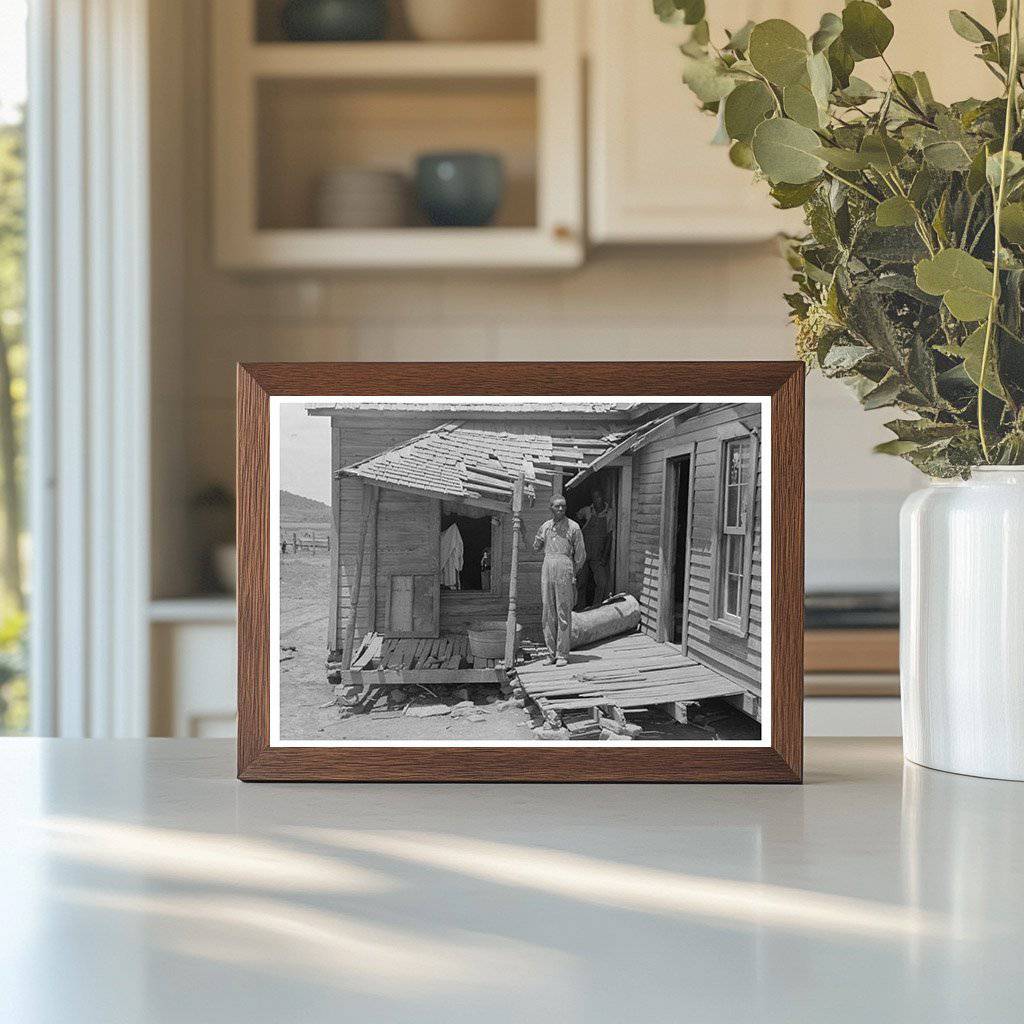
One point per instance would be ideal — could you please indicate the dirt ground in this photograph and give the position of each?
(308, 711)
(305, 596)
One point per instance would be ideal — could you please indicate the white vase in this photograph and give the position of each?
(962, 624)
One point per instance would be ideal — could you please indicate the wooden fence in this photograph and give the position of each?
(311, 537)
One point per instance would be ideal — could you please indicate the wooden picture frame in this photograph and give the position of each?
(779, 759)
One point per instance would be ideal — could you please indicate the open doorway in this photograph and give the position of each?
(675, 548)
(476, 532)
(599, 534)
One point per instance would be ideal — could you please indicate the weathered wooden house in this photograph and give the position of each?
(683, 481)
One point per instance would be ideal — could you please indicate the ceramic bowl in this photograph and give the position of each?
(460, 189)
(470, 20)
(359, 197)
(332, 21)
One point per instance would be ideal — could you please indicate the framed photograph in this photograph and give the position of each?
(579, 572)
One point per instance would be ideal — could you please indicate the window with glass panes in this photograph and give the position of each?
(732, 564)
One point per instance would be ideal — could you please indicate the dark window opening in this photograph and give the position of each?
(477, 557)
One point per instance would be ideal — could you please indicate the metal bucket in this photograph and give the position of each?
(487, 639)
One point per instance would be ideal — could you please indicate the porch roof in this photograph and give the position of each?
(469, 464)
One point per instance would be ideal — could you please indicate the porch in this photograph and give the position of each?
(396, 661)
(606, 680)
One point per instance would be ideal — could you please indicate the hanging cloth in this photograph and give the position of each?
(451, 557)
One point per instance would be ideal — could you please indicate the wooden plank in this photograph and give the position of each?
(428, 677)
(627, 685)
(369, 511)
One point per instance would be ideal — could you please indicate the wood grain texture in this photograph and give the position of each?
(781, 762)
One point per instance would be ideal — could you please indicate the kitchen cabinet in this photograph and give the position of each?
(653, 175)
(287, 114)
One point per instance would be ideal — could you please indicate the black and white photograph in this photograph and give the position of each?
(503, 571)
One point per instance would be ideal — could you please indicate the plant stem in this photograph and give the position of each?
(1011, 108)
(853, 185)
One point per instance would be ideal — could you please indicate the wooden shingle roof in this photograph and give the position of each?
(467, 463)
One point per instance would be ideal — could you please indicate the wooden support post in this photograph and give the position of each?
(369, 512)
(513, 578)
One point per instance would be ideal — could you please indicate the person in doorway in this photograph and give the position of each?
(561, 540)
(598, 523)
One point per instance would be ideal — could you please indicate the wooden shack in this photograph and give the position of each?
(683, 481)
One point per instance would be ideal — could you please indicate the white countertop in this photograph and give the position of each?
(140, 882)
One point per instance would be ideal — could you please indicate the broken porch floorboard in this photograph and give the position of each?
(609, 671)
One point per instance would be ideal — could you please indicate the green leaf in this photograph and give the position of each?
(787, 151)
(788, 197)
(895, 447)
(1012, 224)
(971, 351)
(689, 12)
(924, 88)
(976, 173)
(857, 91)
(963, 281)
(840, 61)
(883, 152)
(701, 34)
(969, 28)
(866, 29)
(666, 10)
(922, 185)
(745, 108)
(779, 51)
(999, 9)
(741, 155)
(895, 212)
(829, 30)
(993, 167)
(739, 41)
(844, 159)
(885, 394)
(801, 106)
(947, 156)
(922, 431)
(819, 74)
(707, 78)
(939, 220)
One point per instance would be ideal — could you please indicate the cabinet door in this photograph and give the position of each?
(654, 177)
(653, 174)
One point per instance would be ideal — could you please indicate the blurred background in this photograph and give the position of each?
(361, 180)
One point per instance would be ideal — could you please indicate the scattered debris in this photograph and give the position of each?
(427, 710)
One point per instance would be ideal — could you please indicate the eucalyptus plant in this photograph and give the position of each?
(910, 277)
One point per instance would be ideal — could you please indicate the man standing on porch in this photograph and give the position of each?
(561, 540)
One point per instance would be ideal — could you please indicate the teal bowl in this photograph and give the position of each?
(460, 190)
(334, 21)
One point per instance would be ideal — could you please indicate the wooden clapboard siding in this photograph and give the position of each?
(736, 657)
(355, 438)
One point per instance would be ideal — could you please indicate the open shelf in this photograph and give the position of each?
(309, 127)
(285, 114)
(391, 60)
(520, 23)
